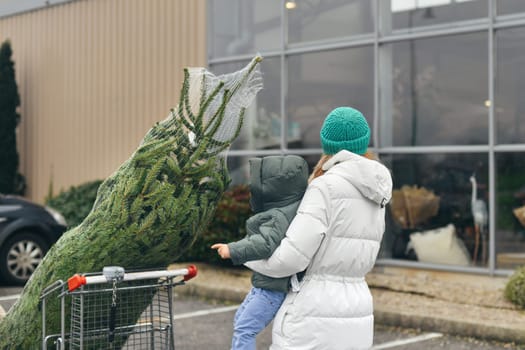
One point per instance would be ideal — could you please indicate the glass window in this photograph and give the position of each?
(434, 91)
(401, 14)
(432, 191)
(506, 7)
(244, 26)
(509, 107)
(239, 169)
(262, 121)
(322, 81)
(510, 210)
(328, 19)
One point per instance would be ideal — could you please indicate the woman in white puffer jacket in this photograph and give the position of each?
(335, 236)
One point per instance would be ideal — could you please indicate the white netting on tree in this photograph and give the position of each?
(211, 107)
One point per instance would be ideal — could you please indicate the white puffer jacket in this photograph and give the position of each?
(336, 236)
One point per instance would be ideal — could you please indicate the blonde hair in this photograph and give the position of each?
(318, 169)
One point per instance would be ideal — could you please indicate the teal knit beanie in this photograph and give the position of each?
(345, 128)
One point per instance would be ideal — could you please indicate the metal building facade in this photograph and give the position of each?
(94, 76)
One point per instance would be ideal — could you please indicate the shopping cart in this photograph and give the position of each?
(114, 309)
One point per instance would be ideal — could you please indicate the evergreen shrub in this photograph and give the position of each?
(76, 202)
(11, 181)
(515, 288)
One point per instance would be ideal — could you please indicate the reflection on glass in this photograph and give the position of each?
(510, 84)
(416, 13)
(434, 91)
(320, 82)
(239, 169)
(505, 7)
(244, 26)
(510, 210)
(443, 197)
(262, 122)
(328, 19)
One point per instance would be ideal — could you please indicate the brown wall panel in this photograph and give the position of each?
(94, 76)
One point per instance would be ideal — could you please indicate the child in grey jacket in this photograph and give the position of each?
(277, 185)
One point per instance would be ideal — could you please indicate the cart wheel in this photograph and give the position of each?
(20, 255)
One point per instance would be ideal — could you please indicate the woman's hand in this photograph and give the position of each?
(222, 250)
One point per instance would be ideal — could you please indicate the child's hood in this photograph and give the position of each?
(277, 181)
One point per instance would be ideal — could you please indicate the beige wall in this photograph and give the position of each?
(94, 76)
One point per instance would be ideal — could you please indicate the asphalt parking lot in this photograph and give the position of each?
(205, 324)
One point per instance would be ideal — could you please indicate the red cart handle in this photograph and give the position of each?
(75, 281)
(192, 272)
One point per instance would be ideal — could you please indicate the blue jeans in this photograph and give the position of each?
(255, 313)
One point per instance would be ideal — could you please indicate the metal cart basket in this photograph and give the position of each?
(113, 309)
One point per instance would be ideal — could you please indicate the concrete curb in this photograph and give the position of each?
(217, 283)
(450, 326)
(435, 323)
(222, 294)
(421, 304)
(458, 304)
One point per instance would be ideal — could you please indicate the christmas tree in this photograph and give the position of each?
(155, 205)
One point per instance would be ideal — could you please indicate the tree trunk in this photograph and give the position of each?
(154, 206)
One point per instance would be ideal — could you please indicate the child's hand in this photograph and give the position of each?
(222, 250)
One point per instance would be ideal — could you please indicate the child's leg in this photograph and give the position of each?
(256, 312)
(242, 307)
(238, 315)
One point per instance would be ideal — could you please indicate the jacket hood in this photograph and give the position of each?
(277, 181)
(370, 177)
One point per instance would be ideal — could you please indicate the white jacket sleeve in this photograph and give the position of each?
(303, 238)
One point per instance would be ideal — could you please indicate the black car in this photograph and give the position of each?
(27, 231)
